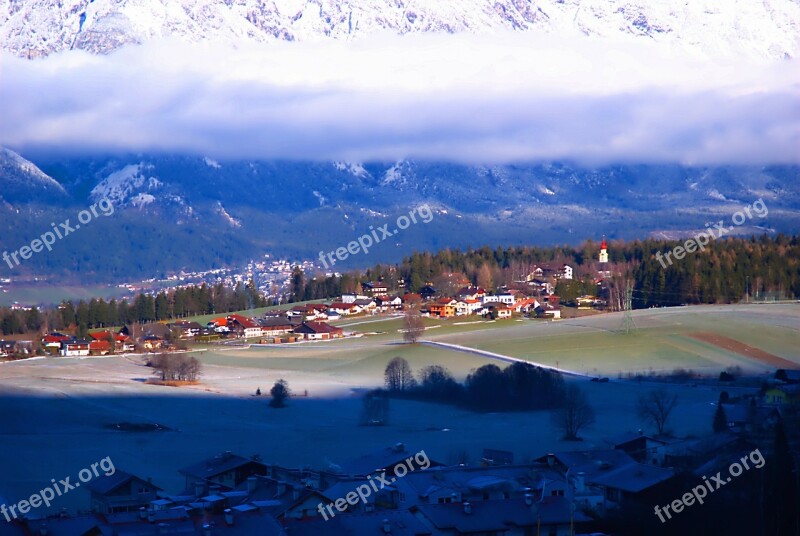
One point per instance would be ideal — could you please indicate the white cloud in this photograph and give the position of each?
(500, 98)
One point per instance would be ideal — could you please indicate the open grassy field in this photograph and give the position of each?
(56, 411)
(665, 339)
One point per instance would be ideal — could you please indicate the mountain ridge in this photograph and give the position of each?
(736, 27)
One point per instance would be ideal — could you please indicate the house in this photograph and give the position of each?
(186, 329)
(471, 293)
(99, 347)
(120, 492)
(51, 342)
(153, 342)
(227, 470)
(389, 302)
(427, 292)
(781, 395)
(74, 347)
(318, 331)
(505, 298)
(350, 298)
(275, 326)
(640, 447)
(122, 343)
(344, 308)
(467, 306)
(375, 289)
(564, 272)
(443, 308)
(614, 471)
(500, 311)
(309, 311)
(244, 326)
(366, 304)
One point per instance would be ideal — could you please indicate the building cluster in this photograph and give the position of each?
(560, 493)
(232, 494)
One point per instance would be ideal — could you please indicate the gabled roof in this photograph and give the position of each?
(633, 478)
(243, 321)
(105, 484)
(316, 327)
(221, 463)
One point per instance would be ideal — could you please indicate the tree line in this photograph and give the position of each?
(729, 270)
(518, 387)
(166, 305)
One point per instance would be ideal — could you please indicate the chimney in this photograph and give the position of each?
(295, 493)
(580, 481)
(151, 516)
(206, 530)
(551, 459)
(528, 499)
(199, 488)
(162, 528)
(387, 527)
(467, 508)
(252, 482)
(229, 517)
(142, 513)
(281, 488)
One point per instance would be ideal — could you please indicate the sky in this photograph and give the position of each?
(502, 98)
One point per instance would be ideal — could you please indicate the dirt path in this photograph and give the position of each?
(740, 348)
(501, 357)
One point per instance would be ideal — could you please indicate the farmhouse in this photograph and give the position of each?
(318, 331)
(121, 492)
(227, 470)
(74, 347)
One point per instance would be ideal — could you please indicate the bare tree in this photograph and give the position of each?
(656, 406)
(173, 367)
(412, 322)
(398, 375)
(574, 414)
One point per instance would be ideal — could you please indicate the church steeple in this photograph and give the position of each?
(603, 251)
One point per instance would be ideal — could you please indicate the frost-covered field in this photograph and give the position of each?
(54, 411)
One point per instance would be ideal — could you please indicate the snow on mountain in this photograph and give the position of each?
(730, 28)
(127, 185)
(233, 222)
(356, 169)
(16, 171)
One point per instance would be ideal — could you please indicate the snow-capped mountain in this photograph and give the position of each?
(21, 180)
(730, 28)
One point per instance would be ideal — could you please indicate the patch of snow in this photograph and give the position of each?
(123, 184)
(210, 162)
(321, 198)
(141, 200)
(233, 222)
(356, 169)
